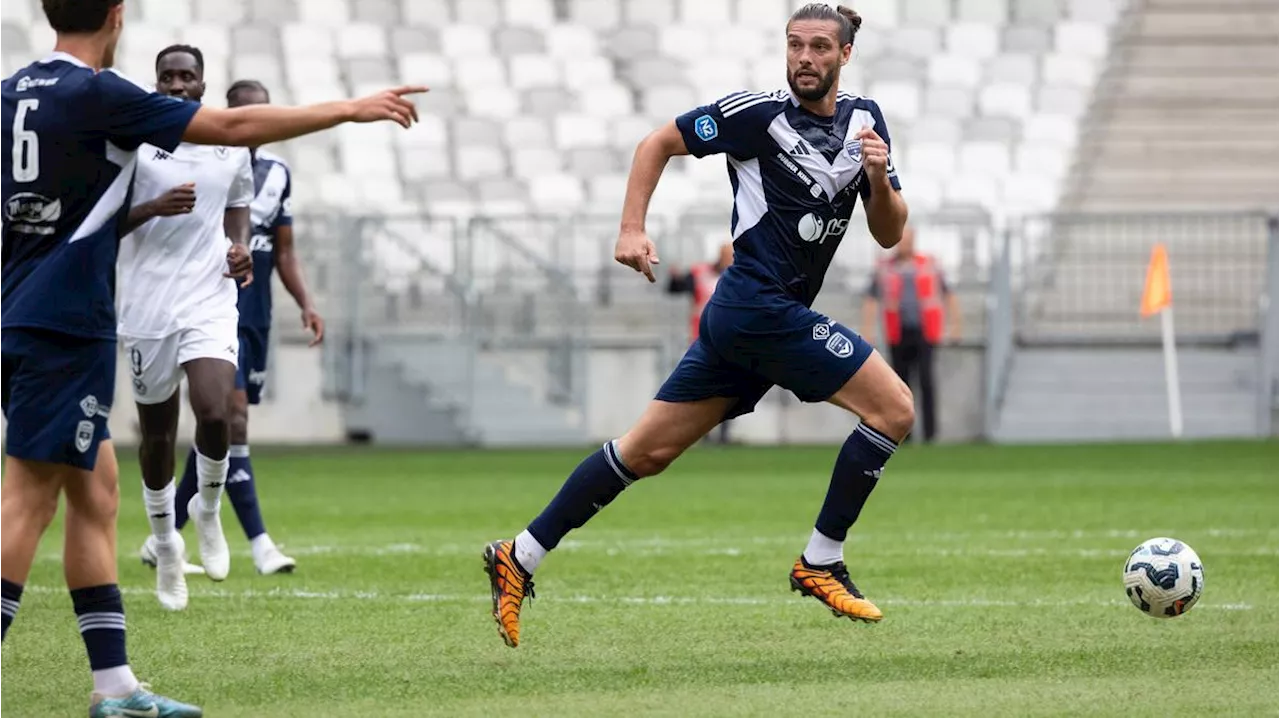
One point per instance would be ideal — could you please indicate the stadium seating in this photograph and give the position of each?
(983, 96)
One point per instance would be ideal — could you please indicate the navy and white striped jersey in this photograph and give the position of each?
(273, 185)
(70, 136)
(796, 178)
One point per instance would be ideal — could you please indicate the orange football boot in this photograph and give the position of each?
(831, 585)
(510, 583)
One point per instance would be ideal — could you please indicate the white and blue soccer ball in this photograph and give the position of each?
(1163, 577)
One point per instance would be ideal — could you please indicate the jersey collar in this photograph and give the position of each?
(57, 55)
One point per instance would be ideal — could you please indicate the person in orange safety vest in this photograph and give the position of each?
(911, 301)
(700, 281)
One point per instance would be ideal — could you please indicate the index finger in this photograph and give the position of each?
(409, 90)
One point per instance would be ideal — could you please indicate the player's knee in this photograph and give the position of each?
(900, 413)
(212, 416)
(896, 413)
(651, 461)
(41, 507)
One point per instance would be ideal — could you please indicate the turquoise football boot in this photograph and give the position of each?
(142, 703)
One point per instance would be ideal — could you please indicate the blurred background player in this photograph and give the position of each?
(178, 315)
(71, 132)
(909, 298)
(799, 160)
(700, 283)
(272, 246)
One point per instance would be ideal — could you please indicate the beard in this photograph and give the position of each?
(825, 83)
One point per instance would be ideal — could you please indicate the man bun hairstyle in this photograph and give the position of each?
(846, 18)
(77, 16)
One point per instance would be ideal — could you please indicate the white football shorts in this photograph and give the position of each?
(155, 365)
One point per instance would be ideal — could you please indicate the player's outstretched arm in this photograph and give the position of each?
(634, 248)
(255, 125)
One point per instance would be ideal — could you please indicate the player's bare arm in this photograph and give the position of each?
(256, 125)
(235, 222)
(886, 210)
(179, 200)
(634, 248)
(291, 275)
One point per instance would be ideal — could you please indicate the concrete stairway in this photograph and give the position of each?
(1185, 115)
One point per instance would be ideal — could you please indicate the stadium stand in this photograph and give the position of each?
(494, 216)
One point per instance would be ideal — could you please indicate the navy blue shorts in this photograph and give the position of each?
(57, 395)
(742, 352)
(251, 372)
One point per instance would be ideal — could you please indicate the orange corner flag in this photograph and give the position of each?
(1156, 293)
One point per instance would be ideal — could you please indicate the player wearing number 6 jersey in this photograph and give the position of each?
(70, 130)
(799, 160)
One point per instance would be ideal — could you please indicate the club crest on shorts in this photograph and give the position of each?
(84, 436)
(222, 152)
(840, 345)
(821, 332)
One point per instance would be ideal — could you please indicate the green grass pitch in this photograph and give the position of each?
(998, 570)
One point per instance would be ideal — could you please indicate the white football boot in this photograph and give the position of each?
(268, 558)
(171, 582)
(148, 555)
(214, 553)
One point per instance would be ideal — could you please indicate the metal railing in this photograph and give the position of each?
(548, 286)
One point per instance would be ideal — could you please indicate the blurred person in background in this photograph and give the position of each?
(910, 299)
(700, 283)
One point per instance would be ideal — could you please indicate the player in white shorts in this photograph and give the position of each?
(178, 272)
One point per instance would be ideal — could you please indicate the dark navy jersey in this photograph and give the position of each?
(796, 178)
(70, 136)
(269, 211)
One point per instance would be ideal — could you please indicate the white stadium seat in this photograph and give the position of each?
(544, 101)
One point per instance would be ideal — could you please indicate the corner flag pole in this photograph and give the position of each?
(1157, 297)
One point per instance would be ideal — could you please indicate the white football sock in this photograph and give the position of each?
(160, 510)
(211, 476)
(823, 551)
(115, 682)
(529, 553)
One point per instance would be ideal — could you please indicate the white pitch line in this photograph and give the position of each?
(907, 544)
(290, 593)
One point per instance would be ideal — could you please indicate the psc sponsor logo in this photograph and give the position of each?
(813, 228)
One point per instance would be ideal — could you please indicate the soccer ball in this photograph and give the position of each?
(1163, 577)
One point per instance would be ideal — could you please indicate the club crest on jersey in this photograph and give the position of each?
(854, 148)
(84, 436)
(705, 128)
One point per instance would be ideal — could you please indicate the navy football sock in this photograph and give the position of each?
(10, 595)
(855, 475)
(188, 488)
(100, 611)
(243, 493)
(597, 481)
